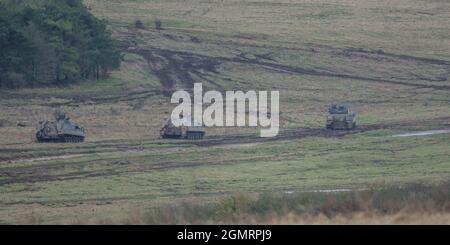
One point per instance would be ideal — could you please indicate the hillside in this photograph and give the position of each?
(389, 60)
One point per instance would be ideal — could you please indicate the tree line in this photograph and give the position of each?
(53, 42)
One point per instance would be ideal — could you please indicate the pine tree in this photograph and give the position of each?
(53, 42)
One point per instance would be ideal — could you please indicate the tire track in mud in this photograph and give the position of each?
(174, 68)
(94, 98)
(41, 173)
(183, 68)
(292, 134)
(398, 56)
(346, 52)
(180, 68)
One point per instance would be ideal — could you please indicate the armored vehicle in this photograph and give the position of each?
(195, 132)
(340, 117)
(61, 130)
(169, 130)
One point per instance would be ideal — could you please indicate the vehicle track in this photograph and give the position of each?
(292, 134)
(51, 172)
(183, 68)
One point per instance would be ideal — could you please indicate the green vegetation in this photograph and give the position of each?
(53, 42)
(272, 207)
(390, 63)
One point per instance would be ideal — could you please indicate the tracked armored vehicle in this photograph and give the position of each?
(340, 118)
(60, 130)
(170, 131)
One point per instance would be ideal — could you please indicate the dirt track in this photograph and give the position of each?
(178, 67)
(315, 132)
(52, 171)
(182, 68)
(173, 68)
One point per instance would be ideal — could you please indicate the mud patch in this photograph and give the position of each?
(293, 134)
(53, 172)
(176, 69)
(182, 69)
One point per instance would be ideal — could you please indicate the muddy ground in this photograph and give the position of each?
(183, 68)
(177, 69)
(51, 171)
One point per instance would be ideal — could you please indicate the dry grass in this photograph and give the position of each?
(411, 204)
(395, 25)
(123, 116)
(362, 218)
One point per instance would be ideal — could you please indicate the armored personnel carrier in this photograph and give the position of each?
(60, 130)
(340, 118)
(195, 132)
(169, 130)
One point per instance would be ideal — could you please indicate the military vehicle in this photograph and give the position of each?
(340, 118)
(61, 130)
(170, 131)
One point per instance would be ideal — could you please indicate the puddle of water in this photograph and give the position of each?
(334, 190)
(423, 133)
(323, 191)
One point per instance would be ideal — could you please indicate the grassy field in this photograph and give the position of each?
(390, 60)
